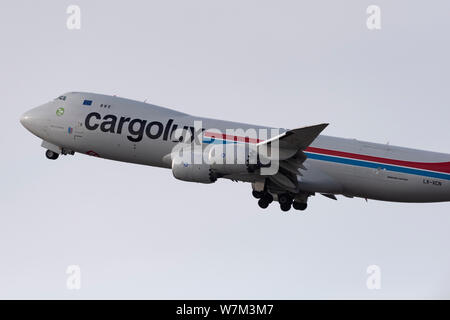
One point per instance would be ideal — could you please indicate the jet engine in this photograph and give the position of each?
(233, 159)
(201, 173)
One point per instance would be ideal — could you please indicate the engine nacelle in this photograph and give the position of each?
(201, 173)
(233, 159)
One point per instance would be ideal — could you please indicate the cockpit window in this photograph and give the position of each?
(61, 98)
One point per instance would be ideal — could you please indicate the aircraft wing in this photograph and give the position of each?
(291, 145)
(291, 141)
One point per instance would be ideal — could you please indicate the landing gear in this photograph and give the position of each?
(51, 155)
(262, 203)
(299, 205)
(265, 200)
(284, 198)
(258, 194)
(285, 201)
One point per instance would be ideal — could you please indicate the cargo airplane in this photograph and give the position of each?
(284, 165)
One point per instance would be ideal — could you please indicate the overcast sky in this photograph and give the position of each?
(136, 232)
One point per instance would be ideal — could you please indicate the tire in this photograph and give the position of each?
(284, 199)
(285, 207)
(263, 203)
(51, 155)
(268, 197)
(257, 194)
(300, 205)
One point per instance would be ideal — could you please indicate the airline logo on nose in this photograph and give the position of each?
(59, 112)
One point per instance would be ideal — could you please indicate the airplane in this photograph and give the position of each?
(287, 165)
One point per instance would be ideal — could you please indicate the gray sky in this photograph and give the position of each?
(136, 232)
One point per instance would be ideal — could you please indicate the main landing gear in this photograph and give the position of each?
(286, 202)
(264, 198)
(51, 155)
(299, 205)
(285, 199)
(265, 201)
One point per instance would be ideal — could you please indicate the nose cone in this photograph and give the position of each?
(26, 120)
(35, 121)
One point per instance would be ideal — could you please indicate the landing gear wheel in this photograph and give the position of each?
(284, 199)
(258, 194)
(268, 197)
(300, 205)
(263, 203)
(51, 155)
(265, 200)
(285, 207)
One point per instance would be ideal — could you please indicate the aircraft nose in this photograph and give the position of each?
(34, 120)
(26, 120)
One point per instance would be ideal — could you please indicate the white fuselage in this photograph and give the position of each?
(335, 165)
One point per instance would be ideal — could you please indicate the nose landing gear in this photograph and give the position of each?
(51, 155)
